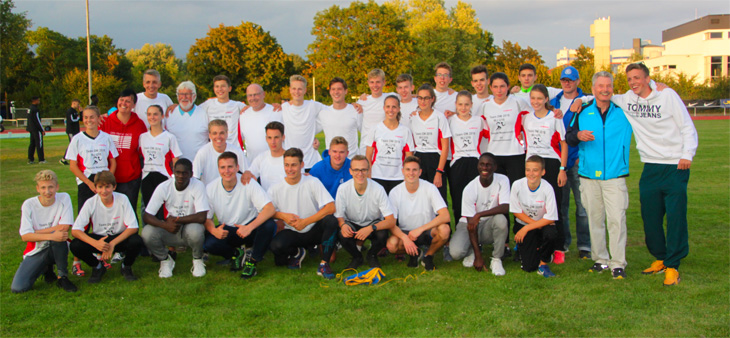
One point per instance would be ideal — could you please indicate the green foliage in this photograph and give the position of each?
(511, 56)
(245, 53)
(160, 57)
(106, 87)
(14, 51)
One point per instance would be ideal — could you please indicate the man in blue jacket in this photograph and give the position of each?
(603, 136)
(334, 168)
(569, 81)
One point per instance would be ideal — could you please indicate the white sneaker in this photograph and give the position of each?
(198, 269)
(118, 257)
(166, 267)
(468, 261)
(496, 267)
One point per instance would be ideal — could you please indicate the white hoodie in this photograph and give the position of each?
(662, 126)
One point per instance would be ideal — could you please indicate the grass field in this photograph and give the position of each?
(452, 301)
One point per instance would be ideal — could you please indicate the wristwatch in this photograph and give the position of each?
(375, 227)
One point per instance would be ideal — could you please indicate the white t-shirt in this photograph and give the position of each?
(158, 152)
(416, 209)
(476, 106)
(300, 124)
(238, 206)
(406, 109)
(543, 135)
(444, 101)
(303, 199)
(362, 210)
(552, 92)
(205, 164)
(389, 148)
(229, 112)
(343, 122)
(269, 169)
(477, 198)
(190, 130)
(106, 221)
(466, 136)
(91, 154)
(536, 204)
(427, 134)
(143, 102)
(502, 123)
(176, 203)
(373, 113)
(34, 216)
(252, 125)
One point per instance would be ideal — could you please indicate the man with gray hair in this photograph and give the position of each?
(602, 134)
(151, 82)
(253, 121)
(188, 124)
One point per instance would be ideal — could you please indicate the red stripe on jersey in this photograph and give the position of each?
(168, 162)
(80, 163)
(482, 135)
(555, 143)
(375, 152)
(452, 145)
(519, 128)
(487, 134)
(30, 246)
(240, 138)
(405, 150)
(111, 156)
(438, 140)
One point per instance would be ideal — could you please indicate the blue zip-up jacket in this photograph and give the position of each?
(330, 178)
(567, 117)
(606, 157)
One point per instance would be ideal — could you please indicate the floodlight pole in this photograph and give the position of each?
(88, 49)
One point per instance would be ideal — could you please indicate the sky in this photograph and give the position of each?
(546, 26)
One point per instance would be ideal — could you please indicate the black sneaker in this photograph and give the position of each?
(618, 273)
(49, 276)
(413, 260)
(66, 284)
(249, 270)
(373, 261)
(583, 254)
(96, 274)
(516, 257)
(598, 267)
(128, 274)
(237, 259)
(428, 263)
(354, 263)
(507, 252)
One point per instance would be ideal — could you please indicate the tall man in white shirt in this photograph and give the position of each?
(253, 121)
(151, 83)
(185, 206)
(188, 123)
(480, 83)
(372, 105)
(306, 208)
(205, 167)
(363, 212)
(445, 96)
(223, 108)
(341, 118)
(300, 118)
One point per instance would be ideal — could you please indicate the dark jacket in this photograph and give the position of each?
(34, 120)
(72, 121)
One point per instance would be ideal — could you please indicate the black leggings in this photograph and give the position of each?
(537, 245)
(377, 239)
(287, 241)
(462, 171)
(388, 185)
(513, 167)
(552, 169)
(429, 164)
(149, 184)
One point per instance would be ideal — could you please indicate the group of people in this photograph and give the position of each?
(256, 170)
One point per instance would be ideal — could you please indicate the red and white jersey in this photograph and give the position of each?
(373, 113)
(389, 149)
(345, 122)
(190, 129)
(34, 216)
(467, 136)
(106, 221)
(536, 204)
(477, 198)
(543, 135)
(416, 209)
(143, 102)
(427, 134)
(238, 206)
(300, 124)
(158, 152)
(445, 101)
(91, 154)
(504, 125)
(303, 199)
(252, 125)
(229, 112)
(205, 164)
(176, 203)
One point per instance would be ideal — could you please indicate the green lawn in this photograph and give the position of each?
(452, 301)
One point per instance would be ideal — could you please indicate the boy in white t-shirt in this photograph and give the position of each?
(532, 201)
(300, 118)
(185, 206)
(341, 118)
(372, 105)
(205, 167)
(44, 223)
(223, 108)
(114, 229)
(408, 103)
(423, 218)
(444, 95)
(268, 167)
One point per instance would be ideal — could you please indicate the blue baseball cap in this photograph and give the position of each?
(569, 73)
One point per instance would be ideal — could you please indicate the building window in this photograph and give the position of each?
(713, 35)
(715, 67)
(672, 66)
(656, 69)
(665, 67)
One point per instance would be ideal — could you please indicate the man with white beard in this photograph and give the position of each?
(190, 126)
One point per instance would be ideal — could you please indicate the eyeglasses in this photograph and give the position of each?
(184, 94)
(423, 98)
(443, 76)
(361, 171)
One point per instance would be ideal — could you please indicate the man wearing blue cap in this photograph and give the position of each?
(569, 80)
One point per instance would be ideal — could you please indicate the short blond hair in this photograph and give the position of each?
(217, 123)
(299, 78)
(46, 175)
(377, 72)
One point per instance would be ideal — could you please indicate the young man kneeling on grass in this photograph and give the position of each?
(423, 218)
(186, 205)
(533, 203)
(114, 229)
(44, 223)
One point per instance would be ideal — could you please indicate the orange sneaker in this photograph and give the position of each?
(656, 267)
(671, 277)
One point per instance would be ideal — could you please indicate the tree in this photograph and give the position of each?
(511, 56)
(584, 64)
(245, 53)
(159, 56)
(107, 87)
(14, 51)
(351, 41)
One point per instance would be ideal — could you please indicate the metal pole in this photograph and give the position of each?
(314, 85)
(88, 49)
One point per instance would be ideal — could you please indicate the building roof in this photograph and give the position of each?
(713, 21)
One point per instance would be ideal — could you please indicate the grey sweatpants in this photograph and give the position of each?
(491, 230)
(33, 266)
(158, 239)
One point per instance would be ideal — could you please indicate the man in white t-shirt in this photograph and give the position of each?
(363, 212)
(151, 83)
(253, 121)
(244, 215)
(185, 206)
(445, 96)
(423, 218)
(341, 118)
(408, 103)
(528, 77)
(484, 203)
(300, 118)
(205, 167)
(44, 223)
(306, 209)
(268, 167)
(188, 123)
(372, 105)
(223, 108)
(480, 83)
